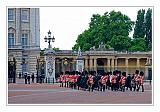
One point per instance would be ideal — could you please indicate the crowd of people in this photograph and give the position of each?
(29, 78)
(114, 81)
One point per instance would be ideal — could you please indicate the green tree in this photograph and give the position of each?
(138, 45)
(121, 43)
(139, 30)
(103, 29)
(148, 29)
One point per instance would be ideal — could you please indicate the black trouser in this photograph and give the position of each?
(32, 80)
(61, 84)
(75, 85)
(103, 87)
(90, 87)
(108, 85)
(129, 86)
(123, 87)
(66, 84)
(25, 81)
(113, 87)
(141, 86)
(136, 86)
(28, 81)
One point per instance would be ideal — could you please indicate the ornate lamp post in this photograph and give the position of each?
(49, 39)
(49, 59)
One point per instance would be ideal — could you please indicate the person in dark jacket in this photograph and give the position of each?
(118, 73)
(28, 78)
(128, 82)
(25, 78)
(32, 77)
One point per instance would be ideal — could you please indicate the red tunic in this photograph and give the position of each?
(90, 79)
(141, 80)
(136, 77)
(123, 80)
(113, 79)
(104, 79)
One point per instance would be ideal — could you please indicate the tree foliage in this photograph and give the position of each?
(113, 28)
(103, 28)
(148, 27)
(121, 43)
(139, 30)
(143, 29)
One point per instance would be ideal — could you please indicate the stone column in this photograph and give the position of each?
(108, 64)
(95, 64)
(146, 72)
(91, 64)
(138, 63)
(112, 64)
(58, 65)
(86, 64)
(115, 63)
(62, 66)
(126, 64)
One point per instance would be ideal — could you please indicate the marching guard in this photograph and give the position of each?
(104, 79)
(83, 81)
(136, 80)
(113, 87)
(123, 81)
(141, 81)
(90, 81)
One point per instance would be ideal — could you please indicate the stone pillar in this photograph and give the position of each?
(86, 64)
(108, 64)
(138, 63)
(58, 66)
(126, 64)
(116, 63)
(112, 64)
(95, 64)
(62, 66)
(146, 72)
(50, 65)
(91, 64)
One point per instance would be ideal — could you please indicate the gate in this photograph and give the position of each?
(12, 71)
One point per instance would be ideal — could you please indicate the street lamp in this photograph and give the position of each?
(49, 39)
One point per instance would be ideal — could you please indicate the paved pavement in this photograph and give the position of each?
(21, 93)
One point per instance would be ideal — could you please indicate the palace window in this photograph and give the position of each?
(25, 15)
(10, 40)
(10, 14)
(24, 40)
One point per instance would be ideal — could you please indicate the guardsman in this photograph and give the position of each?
(141, 81)
(104, 79)
(136, 79)
(66, 79)
(75, 79)
(61, 79)
(72, 79)
(113, 87)
(123, 81)
(90, 81)
(108, 84)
